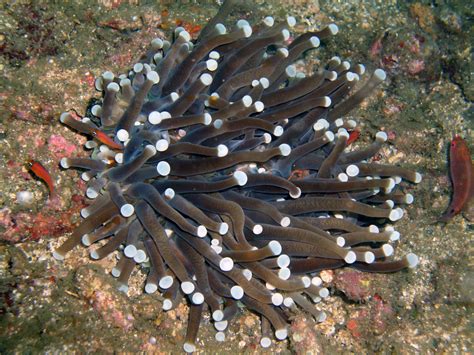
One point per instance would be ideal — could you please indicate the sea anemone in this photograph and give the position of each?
(193, 175)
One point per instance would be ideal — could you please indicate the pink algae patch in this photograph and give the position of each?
(19, 227)
(105, 304)
(39, 142)
(373, 320)
(355, 285)
(60, 147)
(416, 66)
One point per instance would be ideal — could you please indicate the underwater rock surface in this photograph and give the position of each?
(423, 237)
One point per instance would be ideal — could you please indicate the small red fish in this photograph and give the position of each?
(298, 174)
(461, 171)
(353, 135)
(43, 174)
(104, 138)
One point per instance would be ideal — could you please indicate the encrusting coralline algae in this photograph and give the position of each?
(191, 175)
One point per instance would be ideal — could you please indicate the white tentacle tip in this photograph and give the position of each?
(285, 221)
(64, 163)
(369, 257)
(412, 260)
(278, 131)
(352, 170)
(167, 305)
(122, 135)
(340, 241)
(207, 119)
(333, 28)
(91, 193)
(342, 133)
(127, 210)
(169, 193)
(247, 31)
(222, 150)
(58, 256)
(211, 65)
(247, 274)
(154, 117)
(189, 348)
(269, 21)
(187, 287)
(153, 77)
(247, 100)
(373, 228)
(259, 106)
(350, 257)
(130, 251)
(296, 194)
(201, 231)
(326, 101)
(151, 288)
(418, 178)
(220, 28)
(277, 299)
(64, 116)
(163, 168)
(237, 292)
(394, 236)
(257, 229)
(114, 87)
(221, 325)
(283, 261)
(197, 298)
(226, 264)
(150, 150)
(291, 21)
(284, 273)
(387, 250)
(316, 281)
(275, 247)
(162, 145)
(94, 255)
(320, 124)
(324, 292)
(381, 136)
(408, 199)
(265, 342)
(223, 228)
(240, 177)
(396, 214)
(281, 334)
(214, 55)
(206, 79)
(217, 315)
(315, 42)
(380, 74)
(285, 149)
(166, 282)
(138, 67)
(265, 82)
(267, 138)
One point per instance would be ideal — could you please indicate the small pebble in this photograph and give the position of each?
(24, 198)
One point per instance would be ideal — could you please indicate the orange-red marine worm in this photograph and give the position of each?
(461, 171)
(41, 172)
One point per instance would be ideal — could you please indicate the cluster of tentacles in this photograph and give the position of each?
(193, 175)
